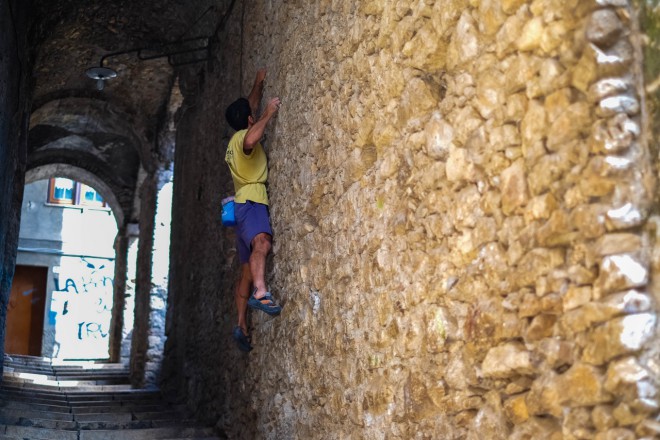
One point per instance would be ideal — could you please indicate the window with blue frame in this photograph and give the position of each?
(62, 191)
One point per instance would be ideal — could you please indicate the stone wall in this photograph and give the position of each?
(201, 364)
(144, 326)
(463, 202)
(14, 66)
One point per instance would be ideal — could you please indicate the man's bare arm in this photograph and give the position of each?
(254, 98)
(256, 131)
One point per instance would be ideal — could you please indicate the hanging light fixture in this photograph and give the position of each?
(178, 53)
(100, 74)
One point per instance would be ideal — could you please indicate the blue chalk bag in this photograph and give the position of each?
(228, 216)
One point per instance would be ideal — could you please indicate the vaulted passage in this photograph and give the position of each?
(462, 196)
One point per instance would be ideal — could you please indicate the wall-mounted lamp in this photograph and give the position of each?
(179, 53)
(100, 74)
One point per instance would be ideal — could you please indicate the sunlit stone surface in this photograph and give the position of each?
(461, 199)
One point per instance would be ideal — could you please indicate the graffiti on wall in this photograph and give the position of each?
(81, 308)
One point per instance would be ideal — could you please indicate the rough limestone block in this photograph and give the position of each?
(576, 296)
(439, 135)
(602, 417)
(465, 45)
(506, 361)
(530, 38)
(580, 385)
(608, 87)
(570, 125)
(537, 427)
(604, 27)
(616, 434)
(555, 352)
(617, 243)
(511, 6)
(516, 409)
(615, 135)
(630, 380)
(620, 272)
(617, 337)
(514, 187)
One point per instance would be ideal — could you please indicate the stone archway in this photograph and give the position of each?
(90, 135)
(94, 142)
(120, 312)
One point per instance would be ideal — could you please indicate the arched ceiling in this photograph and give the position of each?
(114, 132)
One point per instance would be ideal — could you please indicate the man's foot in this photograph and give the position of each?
(242, 340)
(266, 304)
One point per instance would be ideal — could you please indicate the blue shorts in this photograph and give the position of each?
(251, 219)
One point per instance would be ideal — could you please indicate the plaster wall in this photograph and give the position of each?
(76, 244)
(71, 229)
(462, 195)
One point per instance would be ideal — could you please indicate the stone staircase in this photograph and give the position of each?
(44, 399)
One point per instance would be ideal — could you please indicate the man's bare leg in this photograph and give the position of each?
(241, 295)
(261, 245)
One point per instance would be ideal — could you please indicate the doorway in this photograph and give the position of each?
(25, 313)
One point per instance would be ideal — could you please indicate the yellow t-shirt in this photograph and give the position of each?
(249, 172)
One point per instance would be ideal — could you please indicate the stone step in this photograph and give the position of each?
(80, 403)
(39, 376)
(69, 387)
(172, 425)
(87, 366)
(85, 409)
(36, 407)
(121, 393)
(37, 398)
(47, 400)
(11, 414)
(147, 434)
(66, 372)
(97, 425)
(98, 378)
(12, 387)
(16, 393)
(173, 414)
(4, 437)
(137, 424)
(41, 397)
(104, 417)
(56, 375)
(127, 417)
(35, 360)
(32, 422)
(34, 379)
(110, 368)
(116, 403)
(119, 409)
(37, 433)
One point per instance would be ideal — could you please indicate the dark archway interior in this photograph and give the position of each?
(119, 138)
